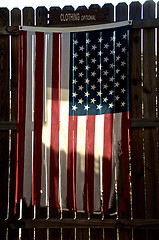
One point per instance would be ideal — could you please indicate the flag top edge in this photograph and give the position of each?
(76, 28)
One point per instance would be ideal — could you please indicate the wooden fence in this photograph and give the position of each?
(141, 219)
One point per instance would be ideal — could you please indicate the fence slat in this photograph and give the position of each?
(136, 135)
(15, 21)
(41, 234)
(121, 15)
(4, 116)
(28, 212)
(150, 135)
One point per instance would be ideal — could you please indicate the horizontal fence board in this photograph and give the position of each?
(81, 223)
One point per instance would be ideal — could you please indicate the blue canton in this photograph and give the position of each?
(99, 72)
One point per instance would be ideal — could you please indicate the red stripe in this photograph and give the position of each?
(71, 162)
(21, 113)
(107, 159)
(125, 140)
(125, 149)
(38, 118)
(55, 118)
(89, 164)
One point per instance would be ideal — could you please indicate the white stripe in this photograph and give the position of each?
(98, 156)
(27, 184)
(64, 116)
(46, 131)
(80, 162)
(116, 141)
(77, 28)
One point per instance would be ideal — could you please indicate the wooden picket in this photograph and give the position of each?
(140, 221)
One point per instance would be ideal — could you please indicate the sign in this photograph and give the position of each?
(83, 16)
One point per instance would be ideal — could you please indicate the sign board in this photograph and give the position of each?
(81, 17)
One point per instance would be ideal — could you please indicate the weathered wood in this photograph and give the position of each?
(15, 21)
(82, 234)
(121, 15)
(136, 135)
(150, 135)
(83, 223)
(4, 116)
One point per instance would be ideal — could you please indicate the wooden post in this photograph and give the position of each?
(150, 135)
(136, 135)
(4, 116)
(121, 15)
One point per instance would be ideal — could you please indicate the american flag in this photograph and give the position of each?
(73, 115)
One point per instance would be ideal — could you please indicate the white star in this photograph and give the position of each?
(81, 74)
(99, 80)
(93, 60)
(100, 66)
(100, 53)
(105, 73)
(123, 50)
(81, 61)
(106, 45)
(105, 86)
(99, 93)
(111, 79)
(117, 84)
(117, 58)
(111, 105)
(106, 59)
(93, 74)
(80, 101)
(123, 104)
(74, 107)
(123, 63)
(99, 107)
(112, 51)
(111, 92)
(88, 54)
(80, 88)
(100, 39)
(123, 77)
(124, 36)
(74, 81)
(86, 94)
(93, 100)
(93, 87)
(75, 68)
(87, 81)
(112, 65)
(117, 71)
(105, 99)
(81, 48)
(74, 94)
(86, 107)
(117, 98)
(88, 41)
(87, 67)
(75, 42)
(75, 55)
(118, 44)
(112, 38)
(123, 90)
(94, 47)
